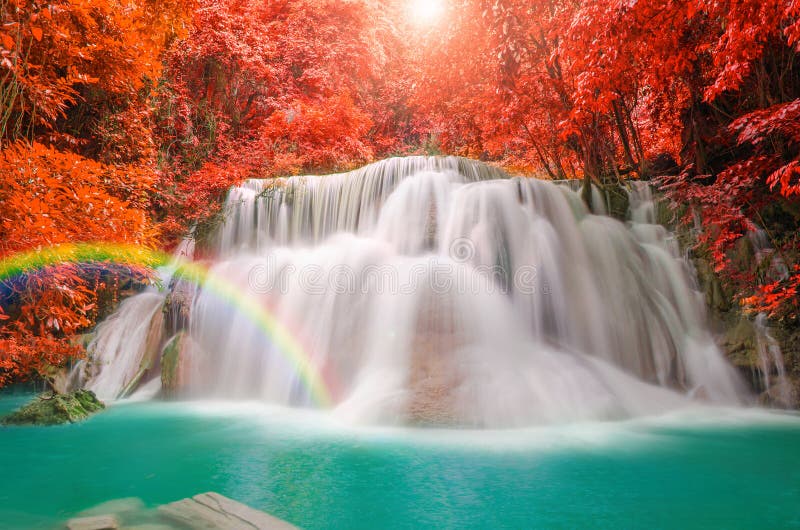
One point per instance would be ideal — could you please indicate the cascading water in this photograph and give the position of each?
(437, 290)
(770, 358)
(126, 348)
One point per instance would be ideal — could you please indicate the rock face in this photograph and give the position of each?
(739, 341)
(618, 201)
(213, 511)
(737, 333)
(175, 365)
(613, 197)
(783, 394)
(744, 342)
(177, 305)
(150, 358)
(55, 409)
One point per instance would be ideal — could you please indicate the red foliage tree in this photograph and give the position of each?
(290, 83)
(76, 159)
(49, 197)
(600, 88)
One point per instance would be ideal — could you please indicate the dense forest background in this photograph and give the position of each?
(126, 121)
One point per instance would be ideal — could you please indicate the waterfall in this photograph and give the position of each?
(770, 357)
(438, 290)
(126, 344)
(125, 350)
(770, 363)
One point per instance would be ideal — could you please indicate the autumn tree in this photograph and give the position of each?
(292, 83)
(76, 159)
(609, 89)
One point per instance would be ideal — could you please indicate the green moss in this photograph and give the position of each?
(614, 196)
(718, 296)
(617, 200)
(668, 217)
(170, 365)
(586, 194)
(56, 409)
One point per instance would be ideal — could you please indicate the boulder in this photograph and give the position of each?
(55, 409)
(784, 394)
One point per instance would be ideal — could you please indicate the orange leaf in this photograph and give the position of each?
(8, 42)
(37, 33)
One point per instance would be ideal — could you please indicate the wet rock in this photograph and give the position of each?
(116, 506)
(213, 511)
(99, 522)
(177, 306)
(617, 200)
(55, 409)
(433, 382)
(175, 364)
(610, 198)
(59, 378)
(717, 297)
(739, 341)
(434, 376)
(784, 394)
(150, 358)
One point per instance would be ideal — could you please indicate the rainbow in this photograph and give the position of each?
(272, 328)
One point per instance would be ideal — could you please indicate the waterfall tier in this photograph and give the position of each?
(433, 290)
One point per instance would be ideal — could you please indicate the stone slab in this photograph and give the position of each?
(212, 511)
(98, 522)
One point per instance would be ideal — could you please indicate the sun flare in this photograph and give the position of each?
(426, 12)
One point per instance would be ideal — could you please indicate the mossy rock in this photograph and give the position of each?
(617, 201)
(718, 296)
(174, 365)
(56, 409)
(614, 197)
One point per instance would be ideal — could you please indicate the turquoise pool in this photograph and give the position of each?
(698, 469)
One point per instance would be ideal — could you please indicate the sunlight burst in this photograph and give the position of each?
(426, 12)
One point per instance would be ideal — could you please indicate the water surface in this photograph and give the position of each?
(702, 469)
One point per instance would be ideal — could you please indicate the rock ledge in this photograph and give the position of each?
(55, 409)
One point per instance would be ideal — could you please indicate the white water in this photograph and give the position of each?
(770, 363)
(770, 357)
(434, 290)
(122, 343)
(124, 354)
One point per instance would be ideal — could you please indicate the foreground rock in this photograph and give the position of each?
(208, 511)
(56, 409)
(100, 522)
(213, 511)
